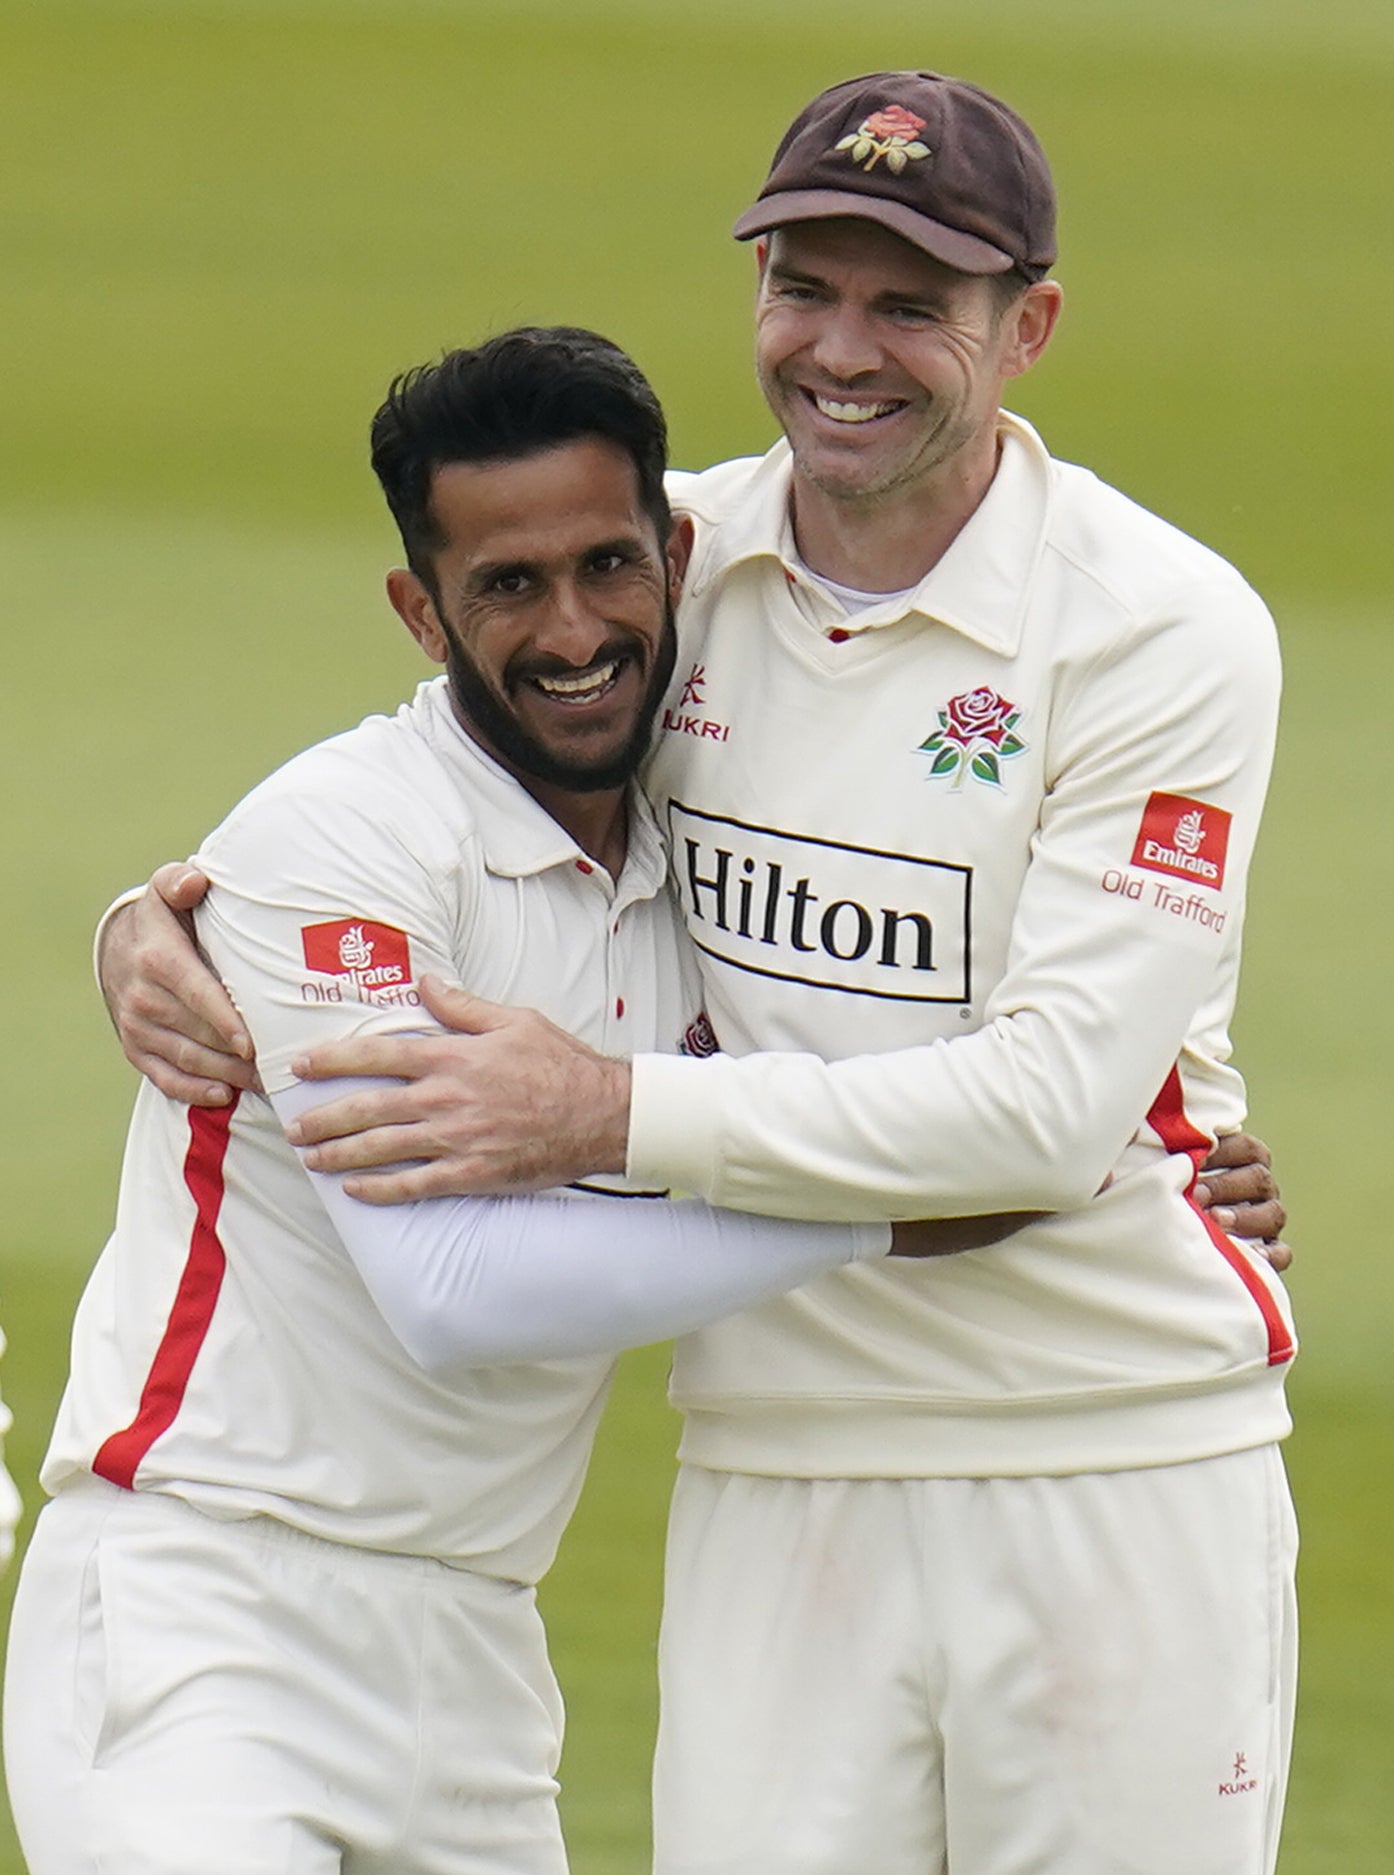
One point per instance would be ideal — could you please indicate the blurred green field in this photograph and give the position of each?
(225, 225)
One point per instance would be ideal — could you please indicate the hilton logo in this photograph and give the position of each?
(822, 913)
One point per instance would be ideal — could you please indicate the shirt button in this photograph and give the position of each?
(837, 636)
(584, 865)
(619, 1005)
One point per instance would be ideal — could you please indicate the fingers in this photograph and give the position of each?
(172, 983)
(455, 1008)
(1261, 1221)
(180, 885)
(1238, 1190)
(396, 1057)
(1244, 1202)
(402, 1186)
(186, 1070)
(188, 1089)
(374, 1147)
(195, 1087)
(1246, 1184)
(1236, 1149)
(169, 995)
(209, 1004)
(152, 972)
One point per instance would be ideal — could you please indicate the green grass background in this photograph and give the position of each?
(224, 226)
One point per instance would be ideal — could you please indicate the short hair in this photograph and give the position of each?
(524, 391)
(1007, 288)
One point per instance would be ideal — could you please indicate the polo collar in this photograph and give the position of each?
(979, 588)
(517, 836)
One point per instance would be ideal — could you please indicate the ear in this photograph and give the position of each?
(416, 608)
(677, 554)
(762, 254)
(1033, 318)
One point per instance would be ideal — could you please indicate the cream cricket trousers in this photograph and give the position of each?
(186, 1696)
(1086, 1675)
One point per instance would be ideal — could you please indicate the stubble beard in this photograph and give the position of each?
(857, 483)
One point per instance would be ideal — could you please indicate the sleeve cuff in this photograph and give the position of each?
(674, 1106)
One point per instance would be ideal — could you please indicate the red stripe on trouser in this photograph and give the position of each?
(194, 1302)
(1169, 1122)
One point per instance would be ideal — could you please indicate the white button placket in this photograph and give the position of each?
(604, 910)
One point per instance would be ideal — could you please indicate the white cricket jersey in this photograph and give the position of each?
(226, 1350)
(1013, 814)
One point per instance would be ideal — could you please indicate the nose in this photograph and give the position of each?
(845, 345)
(573, 629)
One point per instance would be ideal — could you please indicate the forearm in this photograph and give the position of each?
(468, 1282)
(938, 1131)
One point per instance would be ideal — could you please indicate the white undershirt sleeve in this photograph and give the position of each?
(471, 1282)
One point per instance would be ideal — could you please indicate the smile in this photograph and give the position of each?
(841, 412)
(581, 686)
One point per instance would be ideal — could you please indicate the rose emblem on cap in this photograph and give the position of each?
(936, 160)
(890, 132)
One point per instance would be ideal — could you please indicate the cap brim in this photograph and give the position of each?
(964, 252)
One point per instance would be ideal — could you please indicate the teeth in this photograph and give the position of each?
(584, 685)
(852, 413)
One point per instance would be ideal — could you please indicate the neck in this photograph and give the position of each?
(598, 823)
(888, 541)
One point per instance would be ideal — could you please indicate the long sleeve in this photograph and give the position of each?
(466, 1282)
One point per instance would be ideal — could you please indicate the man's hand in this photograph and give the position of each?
(1237, 1188)
(508, 1102)
(176, 1022)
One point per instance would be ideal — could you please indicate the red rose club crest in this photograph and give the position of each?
(976, 734)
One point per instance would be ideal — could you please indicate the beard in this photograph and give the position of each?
(485, 710)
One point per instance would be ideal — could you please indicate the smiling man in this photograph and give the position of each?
(313, 1456)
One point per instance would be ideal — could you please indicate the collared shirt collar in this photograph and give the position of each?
(981, 584)
(517, 836)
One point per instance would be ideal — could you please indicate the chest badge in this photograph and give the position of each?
(976, 734)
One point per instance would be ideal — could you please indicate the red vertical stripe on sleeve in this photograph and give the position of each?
(1178, 1134)
(194, 1301)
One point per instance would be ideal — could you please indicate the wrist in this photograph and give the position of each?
(609, 1139)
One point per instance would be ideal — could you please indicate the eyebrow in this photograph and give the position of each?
(934, 297)
(631, 546)
(481, 576)
(781, 270)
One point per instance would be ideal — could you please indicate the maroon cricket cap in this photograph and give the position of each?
(936, 160)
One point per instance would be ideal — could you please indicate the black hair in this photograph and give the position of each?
(519, 393)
